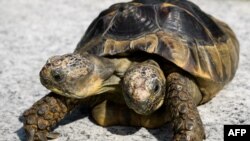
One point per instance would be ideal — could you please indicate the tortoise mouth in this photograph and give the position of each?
(145, 107)
(46, 83)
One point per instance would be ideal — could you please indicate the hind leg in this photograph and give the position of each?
(109, 113)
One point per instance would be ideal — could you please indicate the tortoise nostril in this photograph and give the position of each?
(43, 77)
(43, 71)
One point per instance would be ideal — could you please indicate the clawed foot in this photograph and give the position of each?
(33, 134)
(45, 114)
(182, 137)
(187, 136)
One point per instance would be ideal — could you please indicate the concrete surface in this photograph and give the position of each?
(33, 30)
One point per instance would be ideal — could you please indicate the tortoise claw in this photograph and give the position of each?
(53, 135)
(30, 133)
(188, 136)
(182, 137)
(42, 136)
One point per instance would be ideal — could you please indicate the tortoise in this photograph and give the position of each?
(61, 75)
(197, 53)
(80, 76)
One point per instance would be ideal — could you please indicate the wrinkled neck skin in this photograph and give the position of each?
(121, 65)
(105, 77)
(112, 83)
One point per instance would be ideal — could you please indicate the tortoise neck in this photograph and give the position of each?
(121, 65)
(111, 85)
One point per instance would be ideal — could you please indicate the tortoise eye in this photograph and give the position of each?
(156, 88)
(57, 75)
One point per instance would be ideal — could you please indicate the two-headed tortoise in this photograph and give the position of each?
(197, 53)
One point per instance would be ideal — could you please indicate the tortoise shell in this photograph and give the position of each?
(176, 30)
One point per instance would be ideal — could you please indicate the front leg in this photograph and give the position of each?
(45, 114)
(181, 99)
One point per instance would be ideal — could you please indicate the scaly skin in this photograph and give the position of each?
(180, 110)
(48, 111)
(45, 114)
(186, 120)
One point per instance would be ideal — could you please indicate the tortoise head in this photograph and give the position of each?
(75, 75)
(144, 87)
